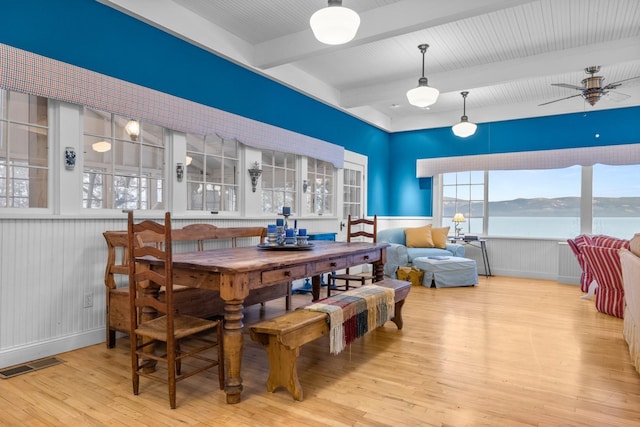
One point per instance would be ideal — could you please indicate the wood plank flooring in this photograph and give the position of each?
(507, 352)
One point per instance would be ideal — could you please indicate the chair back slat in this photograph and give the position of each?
(141, 278)
(154, 313)
(362, 227)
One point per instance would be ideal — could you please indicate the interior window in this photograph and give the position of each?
(124, 165)
(278, 181)
(24, 150)
(317, 189)
(212, 173)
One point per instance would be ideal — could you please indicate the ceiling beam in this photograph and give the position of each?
(377, 24)
(554, 63)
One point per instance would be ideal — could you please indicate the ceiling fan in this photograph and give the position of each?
(592, 89)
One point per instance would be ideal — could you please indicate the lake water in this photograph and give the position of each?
(560, 227)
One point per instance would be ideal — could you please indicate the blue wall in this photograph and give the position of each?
(93, 36)
(541, 133)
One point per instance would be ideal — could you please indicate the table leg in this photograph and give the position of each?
(315, 287)
(233, 349)
(485, 259)
(378, 270)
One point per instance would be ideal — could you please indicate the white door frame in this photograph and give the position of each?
(358, 162)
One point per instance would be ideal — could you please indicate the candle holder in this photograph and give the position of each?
(286, 213)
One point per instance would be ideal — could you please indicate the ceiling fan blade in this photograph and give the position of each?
(614, 96)
(619, 82)
(556, 100)
(568, 86)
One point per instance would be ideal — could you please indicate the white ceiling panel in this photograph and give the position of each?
(506, 53)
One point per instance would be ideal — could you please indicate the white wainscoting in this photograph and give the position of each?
(48, 266)
(517, 257)
(569, 270)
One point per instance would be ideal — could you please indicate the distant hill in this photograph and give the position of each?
(558, 207)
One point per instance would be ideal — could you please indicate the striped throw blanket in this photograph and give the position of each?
(355, 312)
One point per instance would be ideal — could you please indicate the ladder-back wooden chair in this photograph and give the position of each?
(356, 228)
(168, 326)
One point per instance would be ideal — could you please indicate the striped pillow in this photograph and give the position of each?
(610, 242)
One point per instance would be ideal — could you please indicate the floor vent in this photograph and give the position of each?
(29, 366)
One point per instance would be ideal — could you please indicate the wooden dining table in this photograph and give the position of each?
(236, 272)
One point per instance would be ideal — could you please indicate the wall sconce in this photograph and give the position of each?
(179, 171)
(254, 173)
(69, 158)
(133, 129)
(305, 186)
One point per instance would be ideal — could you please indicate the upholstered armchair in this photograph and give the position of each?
(630, 260)
(602, 261)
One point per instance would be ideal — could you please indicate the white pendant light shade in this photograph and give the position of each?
(335, 24)
(101, 146)
(465, 128)
(423, 96)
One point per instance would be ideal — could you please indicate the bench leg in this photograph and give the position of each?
(397, 318)
(282, 368)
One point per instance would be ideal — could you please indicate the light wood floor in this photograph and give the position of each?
(508, 352)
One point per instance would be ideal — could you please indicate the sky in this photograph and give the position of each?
(609, 181)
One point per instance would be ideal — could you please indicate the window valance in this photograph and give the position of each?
(26, 72)
(627, 154)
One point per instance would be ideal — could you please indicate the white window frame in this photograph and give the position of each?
(52, 145)
(167, 193)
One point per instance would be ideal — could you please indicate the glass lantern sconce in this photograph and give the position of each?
(305, 186)
(179, 171)
(254, 173)
(133, 129)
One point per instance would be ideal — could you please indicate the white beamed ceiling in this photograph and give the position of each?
(506, 53)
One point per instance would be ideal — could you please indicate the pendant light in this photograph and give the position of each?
(423, 95)
(133, 129)
(465, 128)
(335, 24)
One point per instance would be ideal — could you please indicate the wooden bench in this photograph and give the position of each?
(194, 302)
(284, 335)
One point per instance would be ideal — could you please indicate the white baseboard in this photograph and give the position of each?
(29, 352)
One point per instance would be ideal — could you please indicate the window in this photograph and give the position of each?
(535, 203)
(212, 173)
(318, 187)
(352, 193)
(463, 192)
(122, 170)
(546, 203)
(24, 151)
(278, 181)
(616, 200)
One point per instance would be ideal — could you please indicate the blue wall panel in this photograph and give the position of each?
(595, 128)
(93, 36)
(98, 38)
